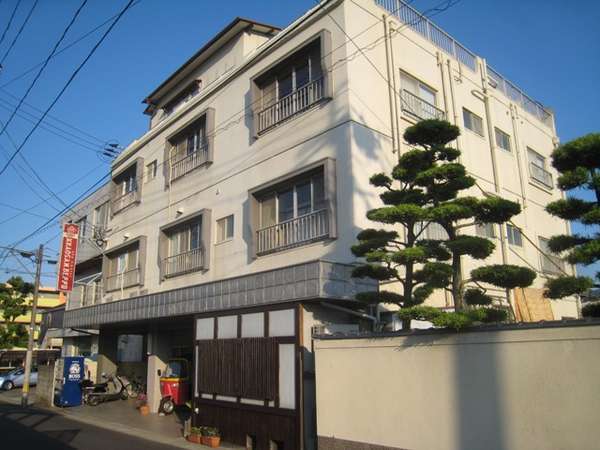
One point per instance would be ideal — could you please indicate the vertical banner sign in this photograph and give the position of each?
(68, 256)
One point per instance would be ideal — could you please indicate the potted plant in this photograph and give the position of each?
(195, 435)
(211, 437)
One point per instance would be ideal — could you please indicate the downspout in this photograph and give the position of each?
(493, 149)
(440, 63)
(390, 88)
(396, 94)
(515, 128)
(453, 100)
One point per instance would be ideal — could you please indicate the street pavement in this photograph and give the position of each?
(36, 428)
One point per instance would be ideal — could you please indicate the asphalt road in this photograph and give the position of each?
(42, 429)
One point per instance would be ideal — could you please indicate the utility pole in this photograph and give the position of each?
(39, 257)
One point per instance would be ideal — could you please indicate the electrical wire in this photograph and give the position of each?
(14, 41)
(10, 20)
(44, 65)
(67, 84)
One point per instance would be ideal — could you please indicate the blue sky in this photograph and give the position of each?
(549, 48)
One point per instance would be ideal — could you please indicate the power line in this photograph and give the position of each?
(12, 44)
(44, 65)
(24, 211)
(12, 16)
(67, 84)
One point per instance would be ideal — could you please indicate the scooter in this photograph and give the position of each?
(174, 385)
(88, 387)
(113, 389)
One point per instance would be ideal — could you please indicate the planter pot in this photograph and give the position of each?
(195, 438)
(144, 410)
(212, 441)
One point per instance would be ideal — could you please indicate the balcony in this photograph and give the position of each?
(294, 232)
(190, 261)
(290, 105)
(541, 175)
(123, 201)
(420, 108)
(123, 280)
(189, 162)
(91, 294)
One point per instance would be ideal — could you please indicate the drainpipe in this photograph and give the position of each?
(390, 88)
(453, 100)
(395, 93)
(440, 63)
(517, 145)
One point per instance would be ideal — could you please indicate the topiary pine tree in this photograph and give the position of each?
(578, 163)
(423, 189)
(13, 303)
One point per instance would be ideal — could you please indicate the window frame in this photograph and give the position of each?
(486, 230)
(471, 115)
(543, 244)
(511, 233)
(186, 230)
(151, 171)
(499, 133)
(225, 238)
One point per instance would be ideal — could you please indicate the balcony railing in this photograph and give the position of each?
(123, 280)
(91, 294)
(189, 162)
(293, 232)
(290, 105)
(123, 201)
(552, 264)
(541, 175)
(189, 261)
(420, 108)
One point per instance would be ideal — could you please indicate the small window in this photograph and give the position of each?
(81, 223)
(550, 262)
(513, 235)
(225, 229)
(502, 140)
(485, 230)
(473, 122)
(538, 169)
(151, 170)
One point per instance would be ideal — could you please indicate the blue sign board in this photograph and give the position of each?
(70, 392)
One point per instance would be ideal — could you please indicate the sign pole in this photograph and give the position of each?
(36, 292)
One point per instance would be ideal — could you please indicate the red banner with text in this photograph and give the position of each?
(68, 257)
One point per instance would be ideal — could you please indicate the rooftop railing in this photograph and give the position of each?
(186, 262)
(420, 108)
(189, 162)
(300, 230)
(430, 31)
(290, 105)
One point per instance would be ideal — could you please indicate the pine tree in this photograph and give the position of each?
(13, 303)
(424, 189)
(578, 163)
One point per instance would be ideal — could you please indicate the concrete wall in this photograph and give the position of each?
(44, 391)
(513, 389)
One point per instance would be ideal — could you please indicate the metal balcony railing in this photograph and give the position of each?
(307, 228)
(541, 175)
(123, 201)
(91, 294)
(189, 261)
(123, 280)
(189, 162)
(420, 108)
(290, 105)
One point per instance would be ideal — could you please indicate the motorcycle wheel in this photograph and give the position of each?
(93, 400)
(131, 391)
(124, 395)
(166, 406)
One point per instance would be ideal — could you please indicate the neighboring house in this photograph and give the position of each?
(224, 235)
(48, 298)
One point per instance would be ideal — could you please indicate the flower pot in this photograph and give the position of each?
(212, 441)
(144, 410)
(195, 438)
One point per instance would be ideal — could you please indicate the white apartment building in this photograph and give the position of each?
(230, 221)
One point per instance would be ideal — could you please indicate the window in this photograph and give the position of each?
(486, 230)
(549, 262)
(419, 99)
(81, 223)
(125, 190)
(502, 139)
(185, 252)
(124, 268)
(432, 230)
(101, 216)
(225, 229)
(190, 92)
(189, 149)
(292, 213)
(290, 87)
(151, 170)
(513, 235)
(537, 168)
(473, 122)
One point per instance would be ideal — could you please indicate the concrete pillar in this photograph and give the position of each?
(107, 354)
(158, 354)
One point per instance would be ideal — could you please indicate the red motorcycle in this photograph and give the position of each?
(174, 385)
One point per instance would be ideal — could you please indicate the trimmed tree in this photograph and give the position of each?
(578, 163)
(13, 303)
(423, 189)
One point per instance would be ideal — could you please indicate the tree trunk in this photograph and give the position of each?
(457, 293)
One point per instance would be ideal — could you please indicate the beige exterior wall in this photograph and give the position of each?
(511, 389)
(353, 129)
